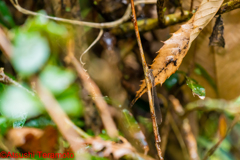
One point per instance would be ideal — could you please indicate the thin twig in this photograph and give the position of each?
(165, 129)
(5, 44)
(191, 6)
(62, 121)
(93, 89)
(147, 74)
(213, 149)
(181, 8)
(125, 17)
(7, 80)
(179, 137)
(93, 43)
(160, 13)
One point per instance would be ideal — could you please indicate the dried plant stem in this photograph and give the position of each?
(213, 149)
(160, 13)
(191, 6)
(62, 121)
(7, 80)
(148, 82)
(165, 132)
(5, 44)
(179, 137)
(93, 43)
(125, 17)
(93, 89)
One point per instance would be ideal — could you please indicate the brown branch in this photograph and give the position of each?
(62, 121)
(147, 74)
(191, 6)
(5, 44)
(171, 19)
(7, 80)
(93, 89)
(213, 149)
(160, 13)
(229, 6)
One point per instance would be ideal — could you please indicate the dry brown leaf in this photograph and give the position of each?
(33, 139)
(108, 148)
(222, 64)
(174, 49)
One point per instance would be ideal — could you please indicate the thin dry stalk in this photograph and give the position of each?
(160, 13)
(5, 44)
(186, 128)
(7, 80)
(93, 89)
(62, 121)
(147, 74)
(125, 17)
(165, 132)
(213, 149)
(179, 137)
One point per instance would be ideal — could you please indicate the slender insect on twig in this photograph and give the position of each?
(158, 114)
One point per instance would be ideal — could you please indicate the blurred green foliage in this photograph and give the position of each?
(5, 16)
(35, 43)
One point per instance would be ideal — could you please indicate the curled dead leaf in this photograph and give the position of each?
(170, 56)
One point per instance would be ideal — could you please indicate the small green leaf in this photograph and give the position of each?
(30, 52)
(5, 124)
(17, 104)
(40, 122)
(56, 79)
(71, 105)
(171, 81)
(196, 88)
(201, 71)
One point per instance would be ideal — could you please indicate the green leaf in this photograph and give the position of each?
(71, 105)
(45, 26)
(5, 124)
(171, 81)
(196, 88)
(17, 104)
(40, 122)
(201, 71)
(30, 52)
(5, 16)
(56, 79)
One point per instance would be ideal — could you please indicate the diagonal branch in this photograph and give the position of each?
(147, 74)
(93, 89)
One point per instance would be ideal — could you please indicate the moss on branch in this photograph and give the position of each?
(171, 19)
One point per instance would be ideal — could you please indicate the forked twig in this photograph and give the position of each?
(124, 18)
(148, 78)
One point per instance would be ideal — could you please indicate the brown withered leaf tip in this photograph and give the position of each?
(216, 38)
(173, 51)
